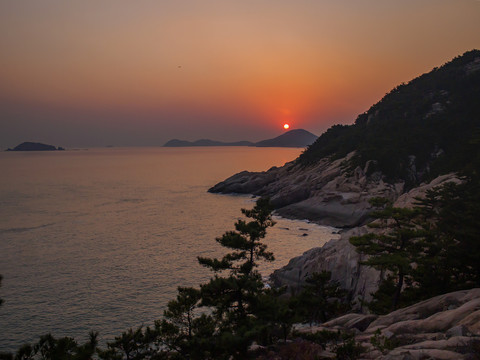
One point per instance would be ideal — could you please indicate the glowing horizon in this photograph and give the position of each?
(84, 72)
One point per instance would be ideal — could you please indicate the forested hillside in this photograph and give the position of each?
(426, 127)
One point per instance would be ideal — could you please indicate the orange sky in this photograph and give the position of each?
(92, 73)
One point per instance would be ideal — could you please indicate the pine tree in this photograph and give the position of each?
(320, 298)
(233, 293)
(394, 247)
(452, 247)
(183, 330)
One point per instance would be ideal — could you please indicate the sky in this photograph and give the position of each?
(85, 73)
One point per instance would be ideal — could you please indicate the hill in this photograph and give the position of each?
(292, 138)
(426, 127)
(34, 146)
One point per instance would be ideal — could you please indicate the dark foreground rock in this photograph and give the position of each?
(34, 146)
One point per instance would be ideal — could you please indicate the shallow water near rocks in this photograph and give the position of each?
(100, 239)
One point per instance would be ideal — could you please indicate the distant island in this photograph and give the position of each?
(292, 138)
(34, 146)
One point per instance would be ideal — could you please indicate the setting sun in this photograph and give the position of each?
(286, 126)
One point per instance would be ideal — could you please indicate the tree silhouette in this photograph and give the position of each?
(394, 248)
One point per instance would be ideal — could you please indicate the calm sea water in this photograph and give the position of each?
(100, 239)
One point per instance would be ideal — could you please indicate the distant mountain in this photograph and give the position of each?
(205, 142)
(33, 146)
(292, 138)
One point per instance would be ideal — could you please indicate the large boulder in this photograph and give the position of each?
(340, 258)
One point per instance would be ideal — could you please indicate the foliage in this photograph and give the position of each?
(234, 297)
(429, 250)
(394, 248)
(65, 348)
(441, 108)
(226, 315)
(322, 337)
(277, 314)
(348, 349)
(382, 343)
(451, 248)
(321, 299)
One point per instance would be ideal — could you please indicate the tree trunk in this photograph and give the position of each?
(398, 290)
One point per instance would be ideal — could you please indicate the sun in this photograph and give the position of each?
(286, 126)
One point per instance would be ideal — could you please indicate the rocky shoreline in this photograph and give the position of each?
(331, 195)
(444, 327)
(326, 193)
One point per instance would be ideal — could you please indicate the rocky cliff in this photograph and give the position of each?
(326, 193)
(329, 194)
(340, 257)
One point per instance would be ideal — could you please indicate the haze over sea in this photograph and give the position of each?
(100, 239)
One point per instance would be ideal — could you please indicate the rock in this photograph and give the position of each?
(352, 321)
(431, 315)
(422, 354)
(458, 330)
(472, 322)
(408, 199)
(340, 258)
(458, 344)
(325, 193)
(331, 211)
(432, 329)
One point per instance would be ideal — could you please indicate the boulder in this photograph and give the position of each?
(352, 321)
(432, 315)
(340, 258)
(432, 329)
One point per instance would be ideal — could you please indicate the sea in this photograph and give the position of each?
(99, 239)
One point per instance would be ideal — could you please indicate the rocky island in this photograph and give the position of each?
(34, 146)
(400, 149)
(293, 138)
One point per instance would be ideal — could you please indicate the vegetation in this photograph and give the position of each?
(321, 299)
(224, 317)
(394, 249)
(48, 347)
(382, 343)
(426, 251)
(441, 108)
